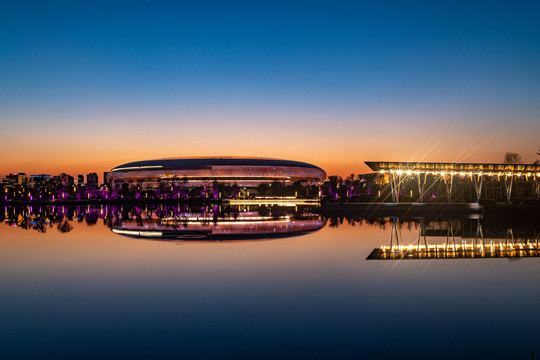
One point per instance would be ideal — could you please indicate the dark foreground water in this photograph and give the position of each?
(139, 285)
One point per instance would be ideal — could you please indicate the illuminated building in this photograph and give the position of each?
(21, 178)
(80, 179)
(243, 172)
(397, 174)
(17, 178)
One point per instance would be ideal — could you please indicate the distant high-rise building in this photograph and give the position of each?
(92, 179)
(9, 180)
(17, 178)
(80, 179)
(38, 180)
(105, 177)
(21, 178)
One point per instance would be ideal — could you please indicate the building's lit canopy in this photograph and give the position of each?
(462, 169)
(233, 170)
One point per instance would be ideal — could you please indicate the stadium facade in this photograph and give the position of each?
(197, 171)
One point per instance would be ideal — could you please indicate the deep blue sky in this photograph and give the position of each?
(367, 71)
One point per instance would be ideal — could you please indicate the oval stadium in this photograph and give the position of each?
(196, 171)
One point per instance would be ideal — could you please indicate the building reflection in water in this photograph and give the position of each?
(174, 222)
(212, 225)
(460, 238)
(492, 235)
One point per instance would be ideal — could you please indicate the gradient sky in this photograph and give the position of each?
(86, 86)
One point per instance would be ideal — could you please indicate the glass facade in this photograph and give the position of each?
(244, 172)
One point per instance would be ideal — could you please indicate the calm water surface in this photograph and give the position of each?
(95, 293)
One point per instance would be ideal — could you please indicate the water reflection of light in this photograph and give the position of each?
(515, 249)
(138, 233)
(438, 239)
(228, 229)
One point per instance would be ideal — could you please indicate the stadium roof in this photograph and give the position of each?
(197, 163)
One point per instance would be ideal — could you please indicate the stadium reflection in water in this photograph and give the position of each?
(174, 222)
(244, 224)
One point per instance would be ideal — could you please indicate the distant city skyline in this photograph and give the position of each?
(87, 86)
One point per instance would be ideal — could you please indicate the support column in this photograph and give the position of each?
(395, 186)
(537, 186)
(510, 235)
(422, 234)
(449, 183)
(392, 186)
(478, 185)
(395, 235)
(479, 233)
(508, 186)
(449, 233)
(421, 177)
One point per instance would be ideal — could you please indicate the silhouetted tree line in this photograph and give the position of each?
(62, 188)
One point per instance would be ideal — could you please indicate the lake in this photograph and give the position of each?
(248, 282)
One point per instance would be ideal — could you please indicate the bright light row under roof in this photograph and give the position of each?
(461, 173)
(431, 166)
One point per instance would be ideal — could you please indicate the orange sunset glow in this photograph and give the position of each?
(338, 145)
